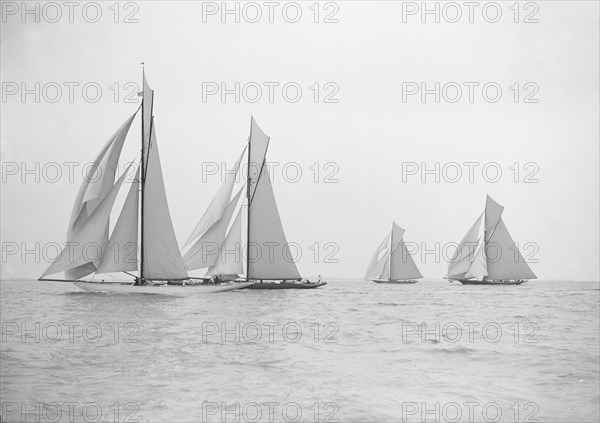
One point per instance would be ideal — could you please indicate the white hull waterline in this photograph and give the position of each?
(491, 282)
(396, 281)
(186, 290)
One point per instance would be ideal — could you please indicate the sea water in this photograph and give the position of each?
(349, 351)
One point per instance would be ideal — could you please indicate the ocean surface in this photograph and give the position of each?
(350, 351)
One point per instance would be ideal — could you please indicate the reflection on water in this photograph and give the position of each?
(351, 351)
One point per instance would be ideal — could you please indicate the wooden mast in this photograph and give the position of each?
(140, 281)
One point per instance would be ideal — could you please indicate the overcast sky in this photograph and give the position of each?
(372, 136)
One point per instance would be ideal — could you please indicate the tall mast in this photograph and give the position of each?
(391, 248)
(248, 211)
(142, 182)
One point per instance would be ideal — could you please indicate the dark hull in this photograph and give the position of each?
(395, 282)
(475, 282)
(285, 285)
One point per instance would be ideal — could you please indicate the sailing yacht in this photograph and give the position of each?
(90, 246)
(488, 255)
(395, 265)
(218, 246)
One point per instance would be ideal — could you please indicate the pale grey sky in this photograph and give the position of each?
(369, 134)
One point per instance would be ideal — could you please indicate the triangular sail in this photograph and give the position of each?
(217, 207)
(205, 251)
(230, 258)
(162, 258)
(147, 107)
(493, 213)
(402, 264)
(375, 267)
(120, 255)
(463, 256)
(504, 261)
(86, 244)
(259, 143)
(270, 256)
(100, 178)
(478, 268)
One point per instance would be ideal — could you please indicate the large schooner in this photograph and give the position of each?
(89, 247)
(489, 257)
(392, 262)
(265, 257)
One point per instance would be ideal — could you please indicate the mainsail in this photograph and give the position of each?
(90, 219)
(268, 255)
(396, 263)
(492, 255)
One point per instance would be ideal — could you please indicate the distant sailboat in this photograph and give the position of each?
(160, 258)
(491, 257)
(395, 265)
(267, 258)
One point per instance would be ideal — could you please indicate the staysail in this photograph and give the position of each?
(230, 258)
(93, 190)
(205, 251)
(375, 268)
(87, 243)
(120, 254)
(217, 207)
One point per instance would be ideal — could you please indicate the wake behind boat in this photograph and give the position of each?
(490, 258)
(89, 248)
(392, 263)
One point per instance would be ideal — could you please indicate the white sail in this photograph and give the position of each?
(100, 178)
(504, 261)
(463, 256)
(385, 268)
(120, 254)
(205, 251)
(162, 258)
(478, 268)
(259, 143)
(93, 189)
(402, 264)
(375, 267)
(148, 106)
(230, 258)
(86, 244)
(217, 207)
(493, 213)
(270, 256)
